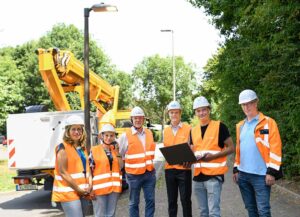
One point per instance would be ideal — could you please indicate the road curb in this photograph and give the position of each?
(285, 190)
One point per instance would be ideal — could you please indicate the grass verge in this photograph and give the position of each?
(6, 181)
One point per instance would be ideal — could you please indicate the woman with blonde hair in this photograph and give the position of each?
(71, 169)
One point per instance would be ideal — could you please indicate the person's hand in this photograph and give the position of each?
(187, 164)
(90, 189)
(83, 193)
(200, 156)
(270, 180)
(207, 157)
(90, 196)
(235, 178)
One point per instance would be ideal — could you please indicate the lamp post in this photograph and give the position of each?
(173, 62)
(96, 8)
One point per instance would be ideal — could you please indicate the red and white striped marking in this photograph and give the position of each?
(11, 153)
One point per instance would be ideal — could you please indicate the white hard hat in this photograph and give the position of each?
(137, 111)
(74, 119)
(200, 101)
(174, 105)
(247, 96)
(107, 128)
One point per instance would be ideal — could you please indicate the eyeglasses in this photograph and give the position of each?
(79, 130)
(248, 103)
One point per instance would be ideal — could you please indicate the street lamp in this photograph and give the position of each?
(96, 8)
(173, 62)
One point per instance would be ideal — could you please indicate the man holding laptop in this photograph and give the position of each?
(212, 143)
(177, 176)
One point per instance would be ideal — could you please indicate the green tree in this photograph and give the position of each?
(124, 81)
(11, 88)
(153, 86)
(69, 37)
(33, 90)
(261, 52)
(22, 59)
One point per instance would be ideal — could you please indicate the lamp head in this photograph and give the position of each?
(104, 8)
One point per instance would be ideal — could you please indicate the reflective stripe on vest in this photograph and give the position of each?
(208, 144)
(105, 181)
(269, 148)
(182, 136)
(62, 192)
(138, 160)
(69, 189)
(74, 176)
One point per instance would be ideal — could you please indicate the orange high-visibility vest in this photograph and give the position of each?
(208, 144)
(62, 192)
(138, 160)
(182, 136)
(267, 139)
(105, 181)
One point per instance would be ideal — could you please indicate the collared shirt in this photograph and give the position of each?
(123, 141)
(251, 159)
(176, 128)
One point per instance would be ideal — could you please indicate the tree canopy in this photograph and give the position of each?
(21, 84)
(154, 86)
(261, 52)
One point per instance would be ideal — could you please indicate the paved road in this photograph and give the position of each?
(27, 204)
(37, 203)
(283, 205)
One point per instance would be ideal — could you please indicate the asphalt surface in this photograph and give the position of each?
(282, 203)
(37, 203)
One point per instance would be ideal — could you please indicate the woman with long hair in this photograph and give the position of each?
(71, 171)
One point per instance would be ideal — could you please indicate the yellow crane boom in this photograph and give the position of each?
(63, 73)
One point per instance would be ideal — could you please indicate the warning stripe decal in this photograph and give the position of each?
(11, 153)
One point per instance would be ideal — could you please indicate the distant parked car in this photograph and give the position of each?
(3, 140)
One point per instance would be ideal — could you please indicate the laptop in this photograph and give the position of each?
(177, 154)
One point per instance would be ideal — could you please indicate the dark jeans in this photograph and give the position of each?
(146, 182)
(182, 180)
(255, 194)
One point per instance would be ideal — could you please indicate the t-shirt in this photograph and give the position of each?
(223, 135)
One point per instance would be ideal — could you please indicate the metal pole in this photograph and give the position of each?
(87, 122)
(174, 69)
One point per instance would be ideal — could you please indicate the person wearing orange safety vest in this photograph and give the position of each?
(106, 163)
(258, 156)
(212, 143)
(71, 172)
(178, 177)
(137, 148)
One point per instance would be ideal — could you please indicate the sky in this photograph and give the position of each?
(127, 36)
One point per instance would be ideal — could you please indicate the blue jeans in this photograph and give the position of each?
(255, 194)
(146, 182)
(75, 208)
(105, 205)
(208, 195)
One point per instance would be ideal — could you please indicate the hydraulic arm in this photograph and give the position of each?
(63, 73)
